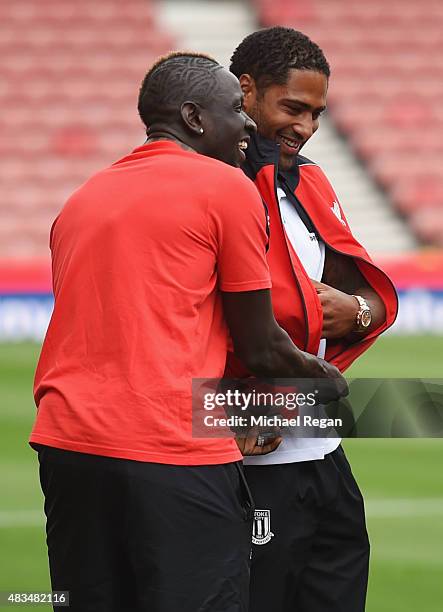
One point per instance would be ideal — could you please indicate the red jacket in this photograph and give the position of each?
(295, 301)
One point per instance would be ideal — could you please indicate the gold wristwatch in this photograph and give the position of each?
(363, 318)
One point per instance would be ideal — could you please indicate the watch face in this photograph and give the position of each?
(366, 318)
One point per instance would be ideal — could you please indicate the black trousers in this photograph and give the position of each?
(312, 550)
(132, 536)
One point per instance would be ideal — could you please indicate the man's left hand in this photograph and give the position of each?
(250, 444)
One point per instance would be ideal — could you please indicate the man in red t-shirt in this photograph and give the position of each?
(149, 257)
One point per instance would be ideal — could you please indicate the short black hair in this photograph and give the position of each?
(173, 79)
(268, 55)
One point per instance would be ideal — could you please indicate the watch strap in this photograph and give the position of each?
(364, 308)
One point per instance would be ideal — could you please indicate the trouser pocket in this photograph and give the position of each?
(246, 498)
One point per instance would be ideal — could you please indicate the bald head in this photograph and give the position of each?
(175, 79)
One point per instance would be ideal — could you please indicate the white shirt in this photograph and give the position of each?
(311, 253)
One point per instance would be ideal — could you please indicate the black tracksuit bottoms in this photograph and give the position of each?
(311, 549)
(128, 536)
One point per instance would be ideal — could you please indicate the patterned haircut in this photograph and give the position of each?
(173, 79)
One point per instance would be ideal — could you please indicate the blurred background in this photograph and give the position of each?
(69, 78)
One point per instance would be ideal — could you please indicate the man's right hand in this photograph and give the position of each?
(325, 377)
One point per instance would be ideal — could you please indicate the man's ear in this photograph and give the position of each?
(249, 89)
(191, 114)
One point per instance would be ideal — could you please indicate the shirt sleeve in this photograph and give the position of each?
(238, 231)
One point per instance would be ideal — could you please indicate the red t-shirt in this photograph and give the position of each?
(139, 254)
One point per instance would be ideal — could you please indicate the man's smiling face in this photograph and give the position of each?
(228, 128)
(288, 114)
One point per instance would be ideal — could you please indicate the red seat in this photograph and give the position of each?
(428, 225)
(391, 169)
(68, 96)
(281, 11)
(370, 143)
(419, 193)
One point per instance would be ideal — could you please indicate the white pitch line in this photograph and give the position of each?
(375, 508)
(399, 508)
(21, 518)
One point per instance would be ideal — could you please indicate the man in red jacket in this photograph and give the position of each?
(311, 549)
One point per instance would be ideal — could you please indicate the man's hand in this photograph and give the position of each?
(266, 349)
(250, 445)
(326, 378)
(342, 273)
(339, 311)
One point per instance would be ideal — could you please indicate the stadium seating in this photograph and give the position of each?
(385, 92)
(68, 97)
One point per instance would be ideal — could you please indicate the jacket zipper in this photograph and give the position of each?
(305, 310)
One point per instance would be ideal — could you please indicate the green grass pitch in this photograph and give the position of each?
(401, 480)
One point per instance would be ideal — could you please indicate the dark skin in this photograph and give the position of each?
(266, 350)
(215, 129)
(290, 114)
(341, 280)
(262, 345)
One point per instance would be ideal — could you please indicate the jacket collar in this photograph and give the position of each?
(263, 152)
